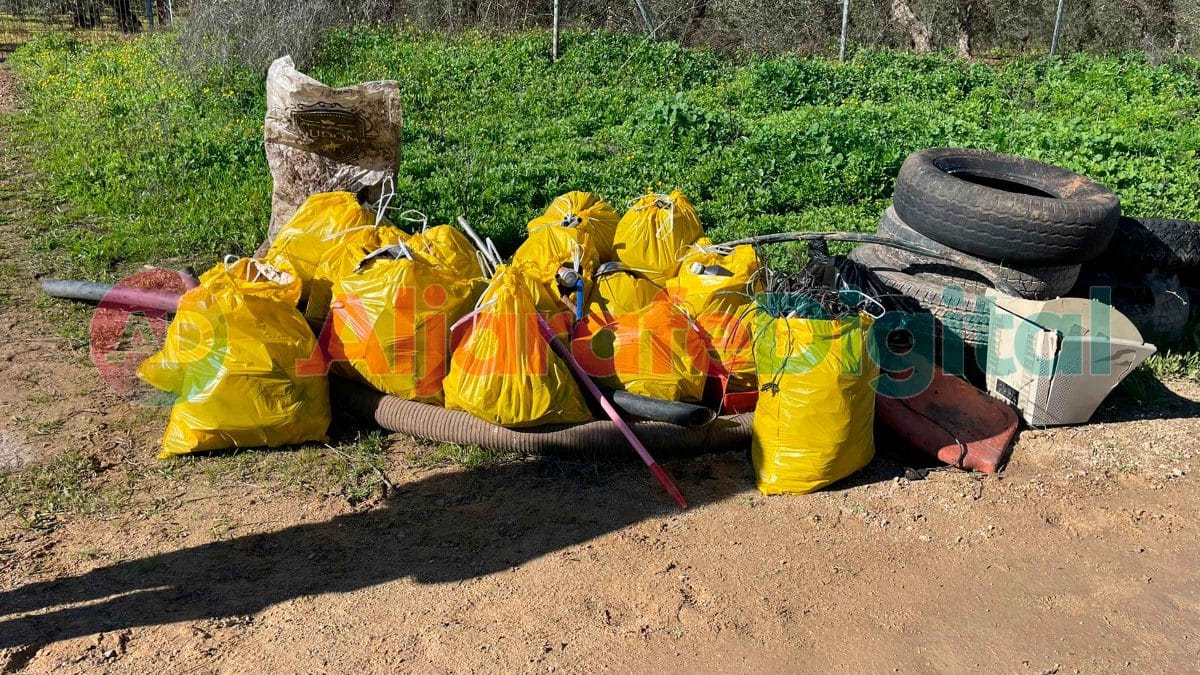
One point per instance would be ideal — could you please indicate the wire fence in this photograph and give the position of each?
(20, 20)
(970, 28)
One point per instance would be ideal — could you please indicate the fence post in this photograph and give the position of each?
(646, 17)
(845, 26)
(554, 36)
(1057, 28)
(150, 14)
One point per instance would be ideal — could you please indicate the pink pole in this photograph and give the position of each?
(580, 374)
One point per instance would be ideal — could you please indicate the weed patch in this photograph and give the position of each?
(157, 165)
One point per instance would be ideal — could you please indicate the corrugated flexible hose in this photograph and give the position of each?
(591, 440)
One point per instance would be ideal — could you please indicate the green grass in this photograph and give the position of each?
(354, 469)
(41, 493)
(155, 165)
(429, 455)
(74, 484)
(1175, 366)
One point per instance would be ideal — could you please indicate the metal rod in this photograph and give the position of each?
(845, 28)
(554, 38)
(610, 410)
(957, 258)
(108, 295)
(647, 19)
(479, 243)
(1058, 15)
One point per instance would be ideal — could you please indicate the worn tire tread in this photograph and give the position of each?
(1033, 282)
(1004, 226)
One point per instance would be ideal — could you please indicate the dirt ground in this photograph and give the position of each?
(1080, 557)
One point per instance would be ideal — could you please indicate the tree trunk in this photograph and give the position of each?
(699, 11)
(127, 21)
(962, 43)
(920, 33)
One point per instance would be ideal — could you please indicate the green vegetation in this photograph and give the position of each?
(40, 493)
(73, 483)
(156, 165)
(429, 455)
(354, 469)
(1175, 366)
(136, 160)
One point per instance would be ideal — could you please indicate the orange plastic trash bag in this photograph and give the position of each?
(503, 371)
(303, 240)
(716, 285)
(654, 234)
(656, 352)
(584, 211)
(389, 324)
(345, 252)
(244, 366)
(815, 419)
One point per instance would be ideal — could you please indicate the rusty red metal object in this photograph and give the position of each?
(953, 422)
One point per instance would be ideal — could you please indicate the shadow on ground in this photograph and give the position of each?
(1143, 397)
(445, 527)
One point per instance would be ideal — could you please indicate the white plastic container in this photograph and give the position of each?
(1055, 361)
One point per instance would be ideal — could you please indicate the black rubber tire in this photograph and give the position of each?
(1156, 303)
(1146, 244)
(958, 305)
(1005, 208)
(1033, 282)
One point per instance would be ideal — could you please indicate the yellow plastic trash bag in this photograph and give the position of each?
(549, 248)
(716, 286)
(558, 310)
(304, 239)
(656, 352)
(242, 362)
(585, 211)
(503, 371)
(620, 292)
(445, 245)
(345, 252)
(655, 233)
(815, 418)
(389, 325)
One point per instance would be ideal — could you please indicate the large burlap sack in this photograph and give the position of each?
(321, 139)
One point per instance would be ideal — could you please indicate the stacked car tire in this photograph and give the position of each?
(1034, 226)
